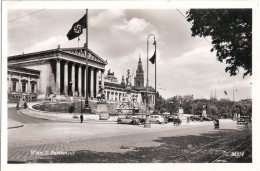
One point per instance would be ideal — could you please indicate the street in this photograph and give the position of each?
(12, 114)
(43, 141)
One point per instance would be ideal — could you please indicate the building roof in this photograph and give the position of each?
(27, 70)
(77, 51)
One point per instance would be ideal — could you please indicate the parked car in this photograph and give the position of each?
(158, 119)
(171, 118)
(196, 118)
(243, 120)
(207, 119)
(176, 121)
(129, 119)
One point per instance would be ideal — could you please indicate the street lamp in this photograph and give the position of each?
(147, 122)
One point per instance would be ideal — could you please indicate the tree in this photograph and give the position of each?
(231, 33)
(160, 103)
(172, 105)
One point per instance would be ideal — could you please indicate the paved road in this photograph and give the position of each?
(93, 143)
(12, 114)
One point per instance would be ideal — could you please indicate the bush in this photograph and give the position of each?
(71, 109)
(75, 116)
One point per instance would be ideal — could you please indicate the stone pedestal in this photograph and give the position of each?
(180, 110)
(147, 122)
(204, 113)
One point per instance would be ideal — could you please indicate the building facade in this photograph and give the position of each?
(63, 71)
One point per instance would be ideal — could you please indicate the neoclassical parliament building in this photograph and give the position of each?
(35, 76)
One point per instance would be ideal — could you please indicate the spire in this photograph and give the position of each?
(139, 78)
(211, 97)
(139, 67)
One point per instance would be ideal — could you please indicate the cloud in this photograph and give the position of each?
(107, 17)
(134, 25)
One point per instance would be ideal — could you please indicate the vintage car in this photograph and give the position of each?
(129, 119)
(170, 118)
(207, 119)
(158, 119)
(196, 118)
(176, 121)
(243, 120)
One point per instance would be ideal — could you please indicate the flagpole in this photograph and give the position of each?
(86, 76)
(147, 122)
(155, 76)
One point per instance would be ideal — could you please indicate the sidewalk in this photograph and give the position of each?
(14, 124)
(14, 104)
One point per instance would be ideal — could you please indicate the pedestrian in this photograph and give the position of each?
(188, 119)
(17, 105)
(25, 105)
(81, 118)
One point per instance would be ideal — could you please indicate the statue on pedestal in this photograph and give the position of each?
(101, 95)
(204, 111)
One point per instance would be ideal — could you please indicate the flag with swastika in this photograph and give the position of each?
(77, 28)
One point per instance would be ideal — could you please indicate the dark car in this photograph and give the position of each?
(243, 120)
(176, 121)
(171, 118)
(207, 119)
(196, 118)
(130, 119)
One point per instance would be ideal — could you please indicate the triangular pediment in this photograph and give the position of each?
(81, 51)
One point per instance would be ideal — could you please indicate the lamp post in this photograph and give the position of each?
(147, 122)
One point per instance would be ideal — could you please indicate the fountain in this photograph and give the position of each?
(129, 104)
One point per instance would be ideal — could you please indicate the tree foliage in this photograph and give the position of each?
(231, 33)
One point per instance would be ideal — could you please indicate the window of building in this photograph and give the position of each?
(23, 87)
(14, 86)
(32, 88)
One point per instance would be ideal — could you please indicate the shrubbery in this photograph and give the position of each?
(71, 109)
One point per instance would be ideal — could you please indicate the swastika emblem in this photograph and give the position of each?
(78, 28)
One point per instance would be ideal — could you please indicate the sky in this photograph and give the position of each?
(185, 65)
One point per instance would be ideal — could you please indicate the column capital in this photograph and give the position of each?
(65, 61)
(57, 59)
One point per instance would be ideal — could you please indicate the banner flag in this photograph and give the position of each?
(153, 58)
(76, 29)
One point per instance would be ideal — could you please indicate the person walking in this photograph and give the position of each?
(17, 105)
(81, 118)
(25, 105)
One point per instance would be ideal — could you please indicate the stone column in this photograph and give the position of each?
(9, 83)
(97, 82)
(73, 78)
(84, 83)
(29, 85)
(66, 78)
(102, 79)
(79, 80)
(38, 87)
(58, 76)
(19, 84)
(91, 82)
